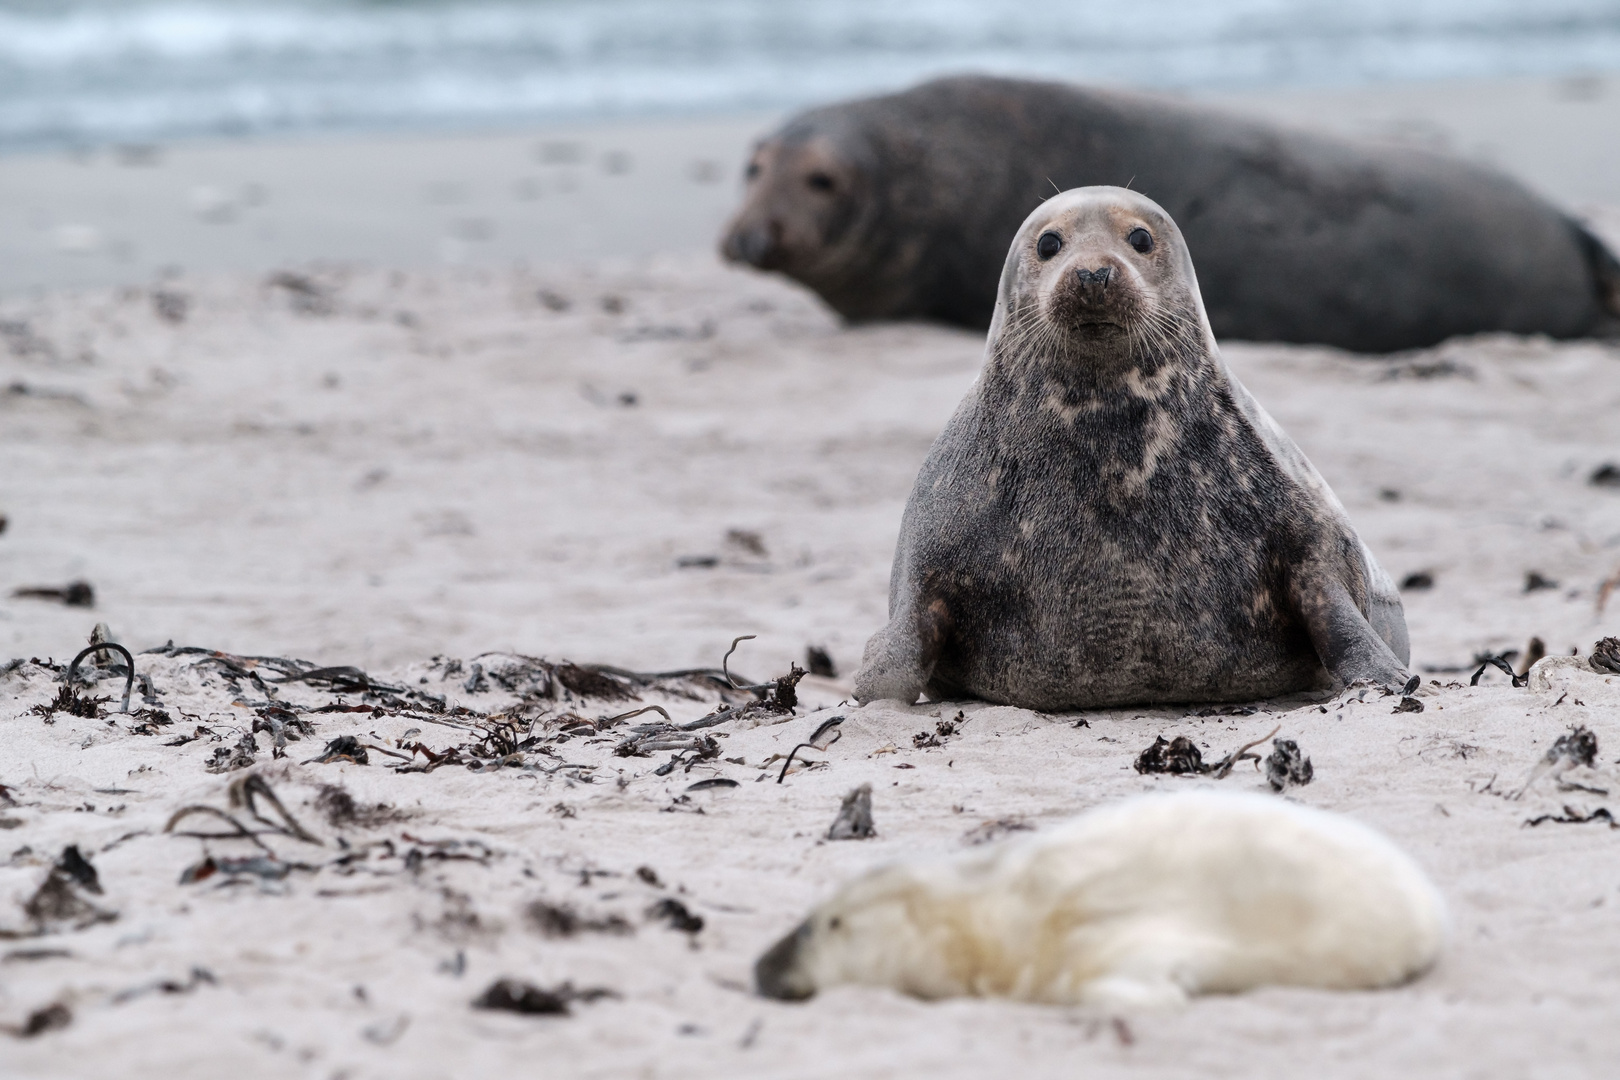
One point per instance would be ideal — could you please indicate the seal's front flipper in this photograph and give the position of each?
(1345, 641)
(900, 658)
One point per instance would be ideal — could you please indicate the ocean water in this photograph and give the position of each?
(86, 72)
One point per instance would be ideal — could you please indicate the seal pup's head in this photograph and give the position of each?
(1098, 282)
(889, 927)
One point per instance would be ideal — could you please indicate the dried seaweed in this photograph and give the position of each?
(282, 725)
(68, 701)
(245, 792)
(341, 679)
(263, 867)
(342, 811)
(854, 820)
(712, 783)
(60, 900)
(1181, 757)
(564, 921)
(343, 748)
(1534, 581)
(987, 831)
(73, 594)
(51, 1017)
(304, 294)
(199, 976)
(1287, 765)
(1606, 656)
(241, 755)
(102, 646)
(515, 995)
(1534, 653)
(1500, 661)
(587, 682)
(676, 914)
(1228, 710)
(170, 306)
(242, 795)
(826, 733)
(1571, 816)
(1576, 748)
(500, 737)
(1177, 756)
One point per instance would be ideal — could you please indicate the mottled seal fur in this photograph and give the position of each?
(1139, 904)
(1109, 518)
(902, 207)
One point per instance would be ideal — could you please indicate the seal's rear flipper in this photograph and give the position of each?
(900, 658)
(1345, 641)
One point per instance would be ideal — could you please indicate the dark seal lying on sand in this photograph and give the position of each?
(902, 207)
(1109, 518)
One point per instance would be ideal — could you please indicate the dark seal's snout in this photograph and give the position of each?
(778, 975)
(757, 243)
(1097, 278)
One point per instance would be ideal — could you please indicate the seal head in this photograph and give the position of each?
(825, 195)
(808, 214)
(1110, 518)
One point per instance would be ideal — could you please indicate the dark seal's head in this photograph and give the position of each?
(813, 194)
(803, 192)
(1099, 283)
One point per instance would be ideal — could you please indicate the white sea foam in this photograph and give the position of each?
(78, 71)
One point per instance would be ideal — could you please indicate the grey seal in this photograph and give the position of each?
(1109, 517)
(902, 206)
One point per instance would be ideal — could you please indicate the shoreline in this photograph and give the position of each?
(574, 193)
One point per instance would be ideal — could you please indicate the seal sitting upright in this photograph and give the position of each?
(1109, 518)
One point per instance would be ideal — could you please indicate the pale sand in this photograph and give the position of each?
(472, 482)
(442, 464)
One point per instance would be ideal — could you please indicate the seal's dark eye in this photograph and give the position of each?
(752, 171)
(1048, 245)
(820, 181)
(1140, 239)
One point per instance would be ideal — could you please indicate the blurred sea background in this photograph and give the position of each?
(82, 73)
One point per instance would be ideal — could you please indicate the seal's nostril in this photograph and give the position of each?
(753, 244)
(1098, 276)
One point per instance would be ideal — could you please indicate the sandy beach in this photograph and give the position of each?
(379, 404)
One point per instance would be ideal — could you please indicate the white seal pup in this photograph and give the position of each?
(1140, 904)
(1110, 518)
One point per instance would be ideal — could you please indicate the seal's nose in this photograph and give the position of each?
(753, 243)
(777, 973)
(1098, 277)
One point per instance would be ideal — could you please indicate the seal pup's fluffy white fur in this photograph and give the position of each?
(1138, 904)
